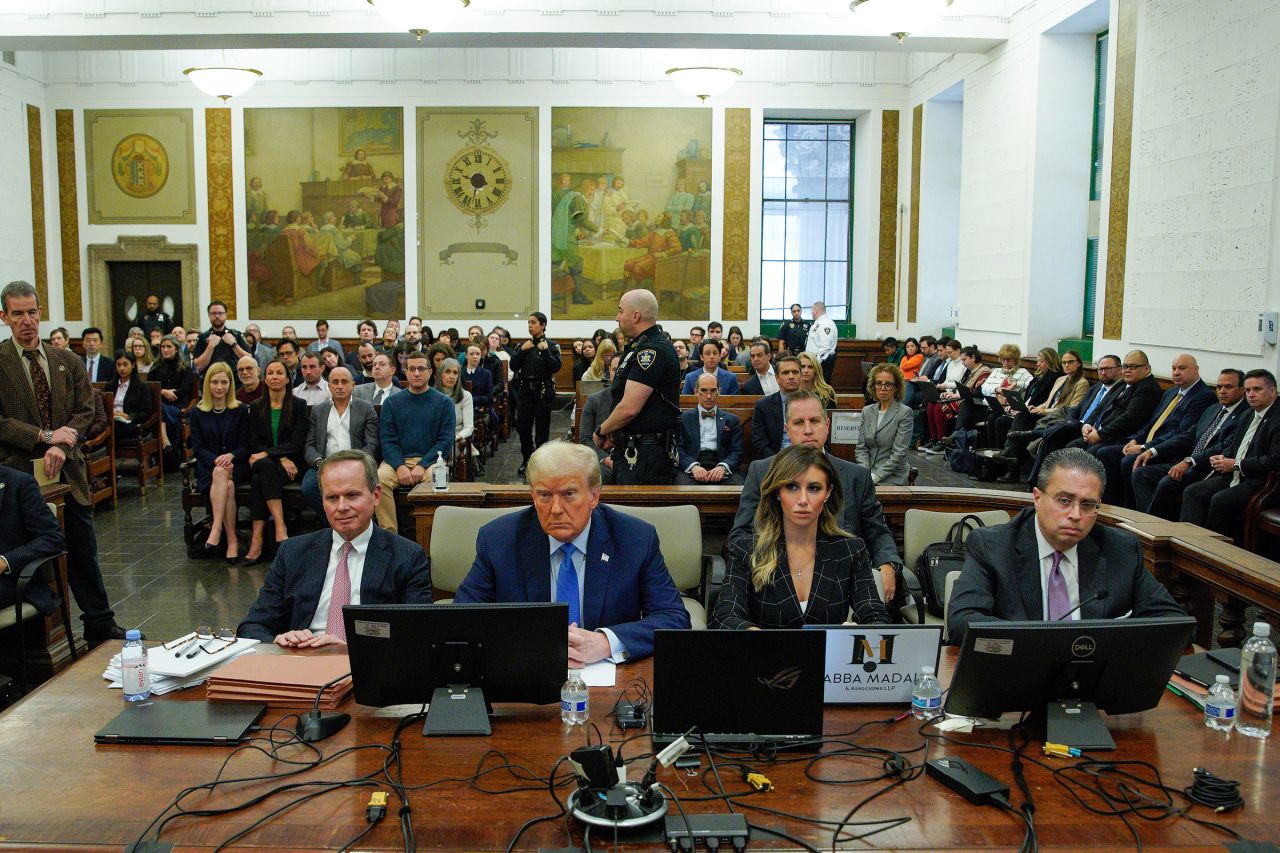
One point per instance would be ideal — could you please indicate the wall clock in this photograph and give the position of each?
(477, 179)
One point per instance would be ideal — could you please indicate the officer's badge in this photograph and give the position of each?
(646, 357)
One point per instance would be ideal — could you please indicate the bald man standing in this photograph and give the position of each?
(1179, 410)
(643, 430)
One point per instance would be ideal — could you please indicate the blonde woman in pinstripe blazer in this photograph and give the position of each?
(799, 567)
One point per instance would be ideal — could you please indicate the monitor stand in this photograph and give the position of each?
(1077, 724)
(458, 709)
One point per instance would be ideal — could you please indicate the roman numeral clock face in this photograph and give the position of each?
(478, 182)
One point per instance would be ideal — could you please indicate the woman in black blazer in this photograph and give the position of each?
(220, 444)
(277, 442)
(798, 567)
(176, 382)
(133, 397)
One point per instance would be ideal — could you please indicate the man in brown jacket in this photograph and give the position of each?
(46, 407)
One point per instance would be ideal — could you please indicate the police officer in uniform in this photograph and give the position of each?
(643, 430)
(535, 365)
(794, 333)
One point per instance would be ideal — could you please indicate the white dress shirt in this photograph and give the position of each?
(120, 392)
(313, 395)
(1243, 450)
(355, 571)
(1070, 568)
(768, 382)
(338, 430)
(617, 651)
(822, 338)
(91, 366)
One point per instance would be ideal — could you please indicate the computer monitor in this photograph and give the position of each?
(460, 658)
(1067, 671)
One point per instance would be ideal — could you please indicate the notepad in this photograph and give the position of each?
(164, 661)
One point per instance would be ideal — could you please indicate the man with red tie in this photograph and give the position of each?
(354, 562)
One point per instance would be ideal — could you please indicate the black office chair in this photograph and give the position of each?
(46, 570)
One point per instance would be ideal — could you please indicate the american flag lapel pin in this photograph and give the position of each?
(604, 558)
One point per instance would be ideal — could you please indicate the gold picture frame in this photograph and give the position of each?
(140, 166)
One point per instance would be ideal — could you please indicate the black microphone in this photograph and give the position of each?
(1097, 596)
(315, 726)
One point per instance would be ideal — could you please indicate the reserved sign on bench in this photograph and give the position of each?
(846, 427)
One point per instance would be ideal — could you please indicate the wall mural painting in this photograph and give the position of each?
(630, 207)
(324, 205)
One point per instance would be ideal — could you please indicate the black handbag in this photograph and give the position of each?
(939, 559)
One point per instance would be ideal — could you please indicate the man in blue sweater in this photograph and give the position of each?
(415, 429)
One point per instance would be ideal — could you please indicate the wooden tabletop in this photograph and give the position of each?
(57, 788)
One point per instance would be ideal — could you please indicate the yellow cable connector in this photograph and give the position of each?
(759, 781)
(377, 807)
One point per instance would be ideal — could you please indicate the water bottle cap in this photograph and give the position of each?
(927, 670)
(1222, 679)
(1261, 629)
(132, 634)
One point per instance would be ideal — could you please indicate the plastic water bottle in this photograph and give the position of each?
(1220, 705)
(575, 703)
(133, 665)
(1257, 683)
(926, 696)
(440, 474)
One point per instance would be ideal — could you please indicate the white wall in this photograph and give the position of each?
(940, 158)
(17, 260)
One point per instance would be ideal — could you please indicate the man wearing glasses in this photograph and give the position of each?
(251, 386)
(1052, 561)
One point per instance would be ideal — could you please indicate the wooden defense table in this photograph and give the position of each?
(60, 791)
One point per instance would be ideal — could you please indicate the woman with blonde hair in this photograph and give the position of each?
(811, 379)
(1006, 417)
(798, 567)
(141, 352)
(599, 369)
(220, 443)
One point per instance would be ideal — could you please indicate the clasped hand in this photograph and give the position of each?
(586, 646)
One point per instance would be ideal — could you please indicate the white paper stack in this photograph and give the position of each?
(170, 673)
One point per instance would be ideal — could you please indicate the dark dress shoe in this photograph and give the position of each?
(99, 633)
(1011, 477)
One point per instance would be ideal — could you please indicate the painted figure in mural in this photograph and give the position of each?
(255, 199)
(595, 202)
(338, 245)
(270, 222)
(690, 236)
(358, 167)
(356, 217)
(568, 224)
(390, 194)
(634, 229)
(703, 200)
(680, 200)
(704, 229)
(661, 243)
(615, 202)
(305, 255)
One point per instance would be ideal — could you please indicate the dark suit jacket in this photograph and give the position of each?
(137, 398)
(1076, 412)
(595, 411)
(291, 435)
(28, 532)
(766, 426)
(1128, 410)
(728, 439)
(752, 386)
(1001, 577)
(862, 515)
(72, 405)
(1180, 446)
(216, 433)
(1183, 418)
(395, 572)
(106, 368)
(364, 430)
(631, 593)
(842, 580)
(1263, 454)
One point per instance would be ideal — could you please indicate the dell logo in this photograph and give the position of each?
(784, 680)
(1083, 647)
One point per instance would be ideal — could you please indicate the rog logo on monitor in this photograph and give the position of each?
(1083, 647)
(785, 679)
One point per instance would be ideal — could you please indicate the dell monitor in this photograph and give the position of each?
(1067, 671)
(458, 658)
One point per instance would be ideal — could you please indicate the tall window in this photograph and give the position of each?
(808, 210)
(1096, 178)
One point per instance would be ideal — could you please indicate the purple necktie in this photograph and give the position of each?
(1059, 600)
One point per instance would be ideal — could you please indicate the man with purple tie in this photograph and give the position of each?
(1052, 561)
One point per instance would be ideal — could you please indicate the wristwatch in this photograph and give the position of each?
(46, 435)
(598, 434)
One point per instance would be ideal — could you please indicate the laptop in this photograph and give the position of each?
(182, 723)
(877, 664)
(928, 391)
(1015, 401)
(738, 689)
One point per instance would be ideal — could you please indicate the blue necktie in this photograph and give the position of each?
(1094, 405)
(567, 584)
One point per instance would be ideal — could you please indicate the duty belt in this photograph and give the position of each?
(630, 441)
(646, 438)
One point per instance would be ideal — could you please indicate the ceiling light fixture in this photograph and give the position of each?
(704, 81)
(419, 16)
(223, 81)
(899, 18)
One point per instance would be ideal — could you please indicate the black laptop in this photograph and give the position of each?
(183, 723)
(739, 689)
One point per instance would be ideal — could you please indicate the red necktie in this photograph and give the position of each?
(341, 595)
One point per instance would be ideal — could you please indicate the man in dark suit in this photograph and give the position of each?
(762, 379)
(1089, 412)
(767, 418)
(595, 411)
(99, 366)
(1157, 475)
(343, 423)
(1052, 561)
(314, 575)
(710, 440)
(46, 406)
(1178, 409)
(604, 564)
(861, 515)
(28, 532)
(1248, 454)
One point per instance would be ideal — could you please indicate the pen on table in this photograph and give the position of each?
(182, 651)
(1061, 750)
